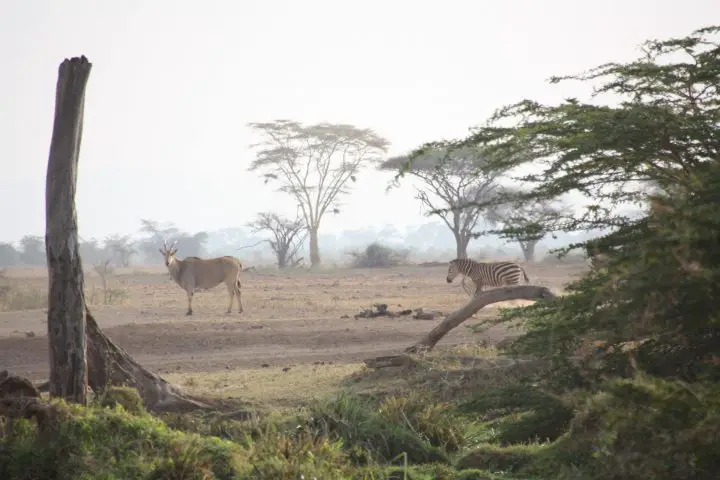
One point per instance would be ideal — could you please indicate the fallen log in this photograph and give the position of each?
(477, 302)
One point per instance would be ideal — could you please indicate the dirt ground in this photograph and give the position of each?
(291, 319)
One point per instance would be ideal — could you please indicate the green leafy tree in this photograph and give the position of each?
(653, 123)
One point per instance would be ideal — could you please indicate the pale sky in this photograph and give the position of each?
(174, 84)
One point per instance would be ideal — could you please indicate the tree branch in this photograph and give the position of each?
(479, 301)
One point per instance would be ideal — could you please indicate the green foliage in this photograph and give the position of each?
(641, 428)
(126, 397)
(369, 436)
(103, 443)
(377, 255)
(433, 422)
(496, 458)
(519, 414)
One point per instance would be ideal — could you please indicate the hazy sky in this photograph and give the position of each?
(174, 84)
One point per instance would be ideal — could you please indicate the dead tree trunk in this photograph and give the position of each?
(111, 365)
(66, 300)
(79, 350)
(477, 302)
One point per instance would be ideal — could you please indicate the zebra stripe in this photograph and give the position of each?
(492, 274)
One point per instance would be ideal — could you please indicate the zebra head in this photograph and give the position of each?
(453, 271)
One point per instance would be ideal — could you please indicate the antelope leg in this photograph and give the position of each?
(190, 297)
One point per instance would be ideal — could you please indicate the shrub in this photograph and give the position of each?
(641, 428)
(112, 443)
(432, 421)
(366, 434)
(377, 255)
(519, 414)
(126, 397)
(496, 458)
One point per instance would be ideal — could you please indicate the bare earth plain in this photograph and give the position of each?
(298, 319)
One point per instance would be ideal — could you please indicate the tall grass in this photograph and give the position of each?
(18, 296)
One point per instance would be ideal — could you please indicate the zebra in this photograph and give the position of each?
(494, 274)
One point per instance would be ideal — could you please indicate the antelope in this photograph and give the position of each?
(194, 274)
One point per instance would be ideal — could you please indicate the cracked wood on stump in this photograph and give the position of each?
(483, 299)
(66, 299)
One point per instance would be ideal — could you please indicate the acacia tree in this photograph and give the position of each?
(526, 222)
(190, 244)
(156, 233)
(454, 187)
(32, 250)
(287, 236)
(121, 249)
(314, 164)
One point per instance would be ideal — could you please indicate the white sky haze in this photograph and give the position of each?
(174, 84)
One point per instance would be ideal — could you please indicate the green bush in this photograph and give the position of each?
(111, 443)
(519, 414)
(366, 434)
(495, 458)
(434, 422)
(641, 428)
(126, 397)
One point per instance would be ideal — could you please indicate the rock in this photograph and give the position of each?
(14, 386)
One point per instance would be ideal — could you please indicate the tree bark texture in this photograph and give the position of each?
(314, 248)
(111, 365)
(480, 300)
(66, 299)
(461, 243)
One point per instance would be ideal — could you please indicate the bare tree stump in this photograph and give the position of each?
(483, 299)
(79, 350)
(109, 364)
(66, 300)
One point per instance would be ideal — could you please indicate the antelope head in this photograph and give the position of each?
(168, 252)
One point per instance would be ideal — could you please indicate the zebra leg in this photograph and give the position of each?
(466, 287)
